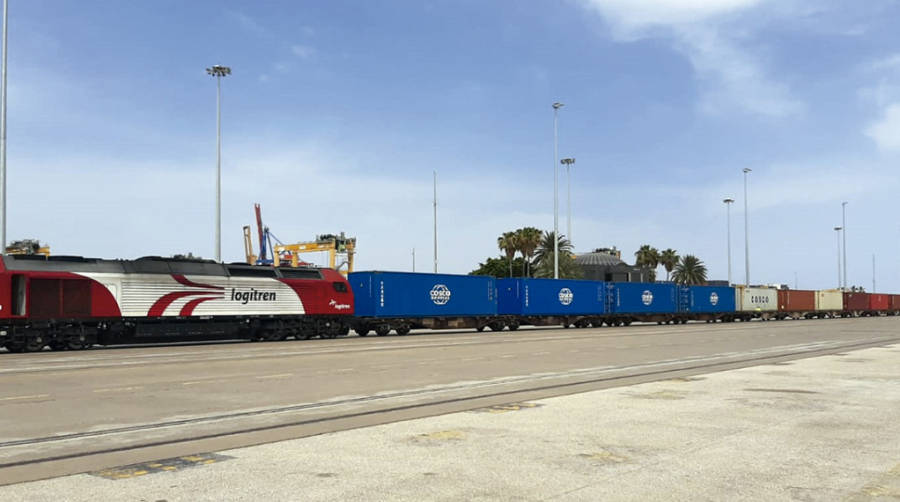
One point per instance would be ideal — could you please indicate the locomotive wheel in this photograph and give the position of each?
(382, 329)
(362, 331)
(403, 329)
(35, 344)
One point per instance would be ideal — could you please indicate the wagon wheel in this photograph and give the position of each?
(513, 326)
(496, 326)
(403, 329)
(382, 329)
(479, 329)
(362, 330)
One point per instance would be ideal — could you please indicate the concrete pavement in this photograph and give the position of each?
(824, 428)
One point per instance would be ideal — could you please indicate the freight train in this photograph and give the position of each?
(71, 303)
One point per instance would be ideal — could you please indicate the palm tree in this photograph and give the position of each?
(544, 254)
(690, 270)
(509, 244)
(647, 256)
(529, 239)
(669, 259)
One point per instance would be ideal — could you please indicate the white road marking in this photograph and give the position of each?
(15, 398)
(280, 375)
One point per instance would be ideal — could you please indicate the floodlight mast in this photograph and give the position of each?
(218, 71)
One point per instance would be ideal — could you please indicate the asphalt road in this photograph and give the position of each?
(62, 413)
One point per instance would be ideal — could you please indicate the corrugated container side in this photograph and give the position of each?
(796, 300)
(895, 302)
(879, 301)
(556, 297)
(856, 301)
(708, 299)
(405, 294)
(642, 298)
(756, 299)
(829, 300)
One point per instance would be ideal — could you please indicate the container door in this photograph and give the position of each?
(684, 299)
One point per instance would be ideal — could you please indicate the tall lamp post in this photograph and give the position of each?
(844, 229)
(218, 71)
(3, 135)
(747, 170)
(556, 107)
(568, 163)
(728, 202)
(434, 204)
(837, 234)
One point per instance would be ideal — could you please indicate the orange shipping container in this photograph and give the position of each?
(793, 300)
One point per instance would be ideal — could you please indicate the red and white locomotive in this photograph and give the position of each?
(69, 302)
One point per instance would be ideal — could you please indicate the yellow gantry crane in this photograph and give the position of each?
(337, 246)
(27, 246)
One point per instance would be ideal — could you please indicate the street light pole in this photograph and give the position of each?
(218, 72)
(838, 235)
(844, 227)
(556, 107)
(568, 163)
(3, 134)
(728, 202)
(435, 222)
(747, 170)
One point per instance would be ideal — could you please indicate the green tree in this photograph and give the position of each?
(509, 244)
(669, 259)
(529, 239)
(568, 269)
(690, 270)
(498, 267)
(647, 256)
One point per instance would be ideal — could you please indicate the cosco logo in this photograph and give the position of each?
(440, 294)
(759, 299)
(566, 296)
(714, 298)
(647, 297)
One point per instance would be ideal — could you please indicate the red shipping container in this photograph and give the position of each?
(895, 302)
(856, 301)
(793, 300)
(878, 301)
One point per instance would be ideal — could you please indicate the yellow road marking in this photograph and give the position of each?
(119, 389)
(15, 398)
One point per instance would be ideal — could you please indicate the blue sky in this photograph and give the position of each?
(337, 112)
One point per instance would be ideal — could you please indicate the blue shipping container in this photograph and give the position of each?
(707, 299)
(414, 295)
(642, 298)
(556, 297)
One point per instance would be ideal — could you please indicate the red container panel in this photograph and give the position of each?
(895, 302)
(878, 301)
(792, 300)
(856, 301)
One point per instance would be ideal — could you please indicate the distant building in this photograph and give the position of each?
(605, 264)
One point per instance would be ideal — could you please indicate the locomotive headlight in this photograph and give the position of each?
(3, 333)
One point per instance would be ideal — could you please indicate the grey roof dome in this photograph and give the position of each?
(601, 259)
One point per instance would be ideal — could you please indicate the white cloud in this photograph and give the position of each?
(886, 131)
(631, 15)
(247, 23)
(303, 51)
(732, 76)
(891, 62)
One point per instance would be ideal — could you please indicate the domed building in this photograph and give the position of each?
(606, 264)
